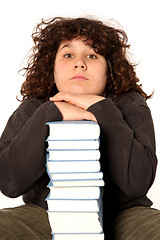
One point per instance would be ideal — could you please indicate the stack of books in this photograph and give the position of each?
(76, 180)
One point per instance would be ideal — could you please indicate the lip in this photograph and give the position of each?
(79, 77)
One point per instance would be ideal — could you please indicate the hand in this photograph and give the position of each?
(83, 101)
(74, 113)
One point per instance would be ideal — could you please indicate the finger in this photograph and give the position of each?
(60, 97)
(73, 99)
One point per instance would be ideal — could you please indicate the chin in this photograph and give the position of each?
(78, 91)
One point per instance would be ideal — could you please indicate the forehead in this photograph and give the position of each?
(73, 43)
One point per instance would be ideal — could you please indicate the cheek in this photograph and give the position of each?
(101, 77)
(101, 72)
(60, 76)
(58, 71)
(57, 78)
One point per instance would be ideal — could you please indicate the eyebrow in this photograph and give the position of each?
(66, 45)
(69, 45)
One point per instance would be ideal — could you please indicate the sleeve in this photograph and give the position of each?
(22, 146)
(128, 144)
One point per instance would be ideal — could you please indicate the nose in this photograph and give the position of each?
(80, 64)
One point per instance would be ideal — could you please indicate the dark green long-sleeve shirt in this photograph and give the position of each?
(127, 148)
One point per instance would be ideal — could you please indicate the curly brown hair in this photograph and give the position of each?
(105, 40)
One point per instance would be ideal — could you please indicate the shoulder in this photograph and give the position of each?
(32, 102)
(134, 109)
(133, 105)
(30, 105)
(130, 99)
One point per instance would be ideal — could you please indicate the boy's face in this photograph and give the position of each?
(79, 69)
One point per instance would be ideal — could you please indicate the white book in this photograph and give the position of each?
(58, 155)
(74, 193)
(72, 166)
(73, 144)
(72, 205)
(82, 236)
(64, 130)
(77, 183)
(75, 176)
(74, 222)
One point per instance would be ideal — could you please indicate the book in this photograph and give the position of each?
(72, 205)
(81, 236)
(72, 166)
(58, 155)
(75, 176)
(75, 208)
(75, 222)
(73, 144)
(77, 183)
(73, 130)
(74, 192)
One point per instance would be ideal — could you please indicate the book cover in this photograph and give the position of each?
(73, 130)
(72, 205)
(62, 155)
(72, 166)
(75, 222)
(74, 192)
(73, 144)
(77, 183)
(75, 176)
(82, 236)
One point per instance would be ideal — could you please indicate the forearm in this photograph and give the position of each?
(22, 161)
(129, 147)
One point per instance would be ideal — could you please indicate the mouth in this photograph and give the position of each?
(79, 77)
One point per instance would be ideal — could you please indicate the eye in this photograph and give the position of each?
(68, 55)
(92, 56)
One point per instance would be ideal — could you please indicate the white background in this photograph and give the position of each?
(140, 19)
